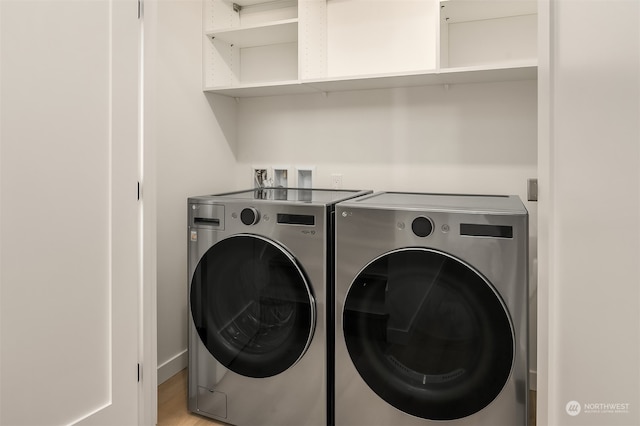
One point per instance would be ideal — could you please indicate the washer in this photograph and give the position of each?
(259, 264)
(431, 310)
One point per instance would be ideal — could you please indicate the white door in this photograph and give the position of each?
(69, 214)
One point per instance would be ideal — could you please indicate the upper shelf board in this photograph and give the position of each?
(284, 31)
(453, 11)
(247, 3)
(462, 75)
(445, 76)
(263, 89)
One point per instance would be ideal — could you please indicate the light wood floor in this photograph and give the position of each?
(172, 405)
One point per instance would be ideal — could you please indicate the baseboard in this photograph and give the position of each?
(174, 365)
(533, 380)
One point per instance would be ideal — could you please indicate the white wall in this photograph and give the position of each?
(469, 138)
(590, 211)
(195, 137)
(474, 138)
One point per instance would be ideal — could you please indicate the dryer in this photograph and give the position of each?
(431, 310)
(259, 265)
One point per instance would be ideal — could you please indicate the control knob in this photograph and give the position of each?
(422, 226)
(249, 216)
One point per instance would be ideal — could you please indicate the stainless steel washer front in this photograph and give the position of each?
(259, 280)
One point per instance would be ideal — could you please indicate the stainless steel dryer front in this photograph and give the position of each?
(259, 262)
(431, 314)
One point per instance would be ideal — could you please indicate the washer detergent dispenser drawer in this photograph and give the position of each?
(208, 216)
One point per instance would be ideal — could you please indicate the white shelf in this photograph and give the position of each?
(520, 71)
(454, 11)
(292, 87)
(246, 3)
(281, 47)
(284, 31)
(461, 75)
(489, 33)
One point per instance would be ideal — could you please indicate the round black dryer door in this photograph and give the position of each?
(428, 334)
(252, 306)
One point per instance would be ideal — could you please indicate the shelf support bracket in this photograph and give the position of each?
(237, 8)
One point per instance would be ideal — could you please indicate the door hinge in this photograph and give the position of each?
(139, 9)
(139, 372)
(138, 191)
(532, 189)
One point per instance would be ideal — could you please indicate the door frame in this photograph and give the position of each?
(148, 392)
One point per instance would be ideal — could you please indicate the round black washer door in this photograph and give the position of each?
(428, 334)
(252, 306)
